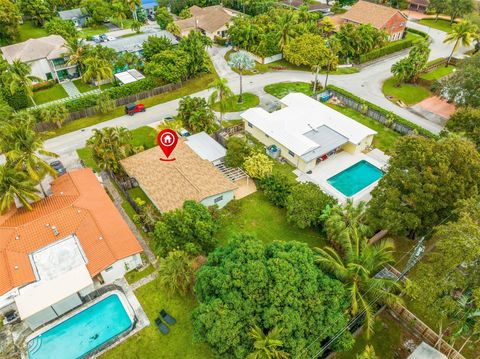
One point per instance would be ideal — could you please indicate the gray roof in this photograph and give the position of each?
(425, 351)
(71, 14)
(134, 43)
(206, 147)
(327, 140)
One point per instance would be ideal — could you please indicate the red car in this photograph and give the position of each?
(132, 108)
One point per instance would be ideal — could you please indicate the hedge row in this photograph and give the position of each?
(418, 32)
(81, 103)
(391, 48)
(387, 114)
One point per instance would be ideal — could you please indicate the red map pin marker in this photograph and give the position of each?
(167, 140)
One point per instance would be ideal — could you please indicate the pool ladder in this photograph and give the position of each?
(34, 345)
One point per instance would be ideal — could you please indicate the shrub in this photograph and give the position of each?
(386, 50)
(219, 40)
(277, 188)
(17, 101)
(237, 151)
(43, 85)
(258, 166)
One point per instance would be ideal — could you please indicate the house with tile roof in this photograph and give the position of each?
(393, 21)
(69, 244)
(47, 57)
(169, 184)
(306, 131)
(212, 21)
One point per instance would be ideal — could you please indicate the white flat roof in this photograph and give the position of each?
(301, 115)
(40, 295)
(129, 76)
(206, 147)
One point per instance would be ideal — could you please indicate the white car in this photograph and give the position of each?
(110, 38)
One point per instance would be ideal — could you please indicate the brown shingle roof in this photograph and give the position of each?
(364, 12)
(49, 47)
(169, 184)
(79, 205)
(210, 18)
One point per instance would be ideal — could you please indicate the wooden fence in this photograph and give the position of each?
(428, 335)
(222, 135)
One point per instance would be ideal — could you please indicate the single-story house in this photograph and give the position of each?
(418, 5)
(134, 44)
(206, 147)
(47, 57)
(306, 131)
(69, 244)
(169, 184)
(78, 16)
(393, 21)
(211, 20)
(314, 6)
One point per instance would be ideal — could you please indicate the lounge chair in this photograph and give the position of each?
(161, 326)
(168, 318)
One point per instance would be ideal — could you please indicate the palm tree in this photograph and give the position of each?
(23, 146)
(467, 320)
(368, 353)
(18, 77)
(241, 61)
(118, 12)
(136, 26)
(15, 184)
(286, 24)
(266, 346)
(176, 272)
(132, 5)
(402, 71)
(222, 94)
(355, 262)
(110, 145)
(56, 114)
(98, 69)
(75, 52)
(464, 32)
(346, 220)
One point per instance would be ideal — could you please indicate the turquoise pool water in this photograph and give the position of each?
(355, 178)
(82, 333)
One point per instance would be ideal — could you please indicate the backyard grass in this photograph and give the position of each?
(191, 86)
(385, 138)
(232, 105)
(281, 89)
(149, 343)
(407, 93)
(440, 24)
(256, 215)
(28, 30)
(135, 275)
(93, 30)
(56, 92)
(438, 73)
(85, 87)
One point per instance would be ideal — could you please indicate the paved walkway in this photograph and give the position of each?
(118, 200)
(144, 280)
(70, 88)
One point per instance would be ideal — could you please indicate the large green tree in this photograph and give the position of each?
(409, 68)
(423, 183)
(275, 285)
(170, 65)
(18, 78)
(163, 17)
(155, 45)
(190, 228)
(97, 69)
(64, 28)
(459, 8)
(195, 45)
(196, 114)
(465, 122)
(37, 10)
(10, 17)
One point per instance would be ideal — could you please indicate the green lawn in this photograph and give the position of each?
(93, 30)
(85, 87)
(438, 73)
(258, 216)
(384, 139)
(191, 86)
(56, 92)
(387, 339)
(149, 343)
(135, 275)
(440, 24)
(28, 30)
(282, 89)
(249, 100)
(407, 93)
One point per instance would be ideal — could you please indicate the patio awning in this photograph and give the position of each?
(326, 139)
(41, 295)
(129, 76)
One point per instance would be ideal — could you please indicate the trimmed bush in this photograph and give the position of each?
(43, 85)
(17, 101)
(418, 32)
(388, 114)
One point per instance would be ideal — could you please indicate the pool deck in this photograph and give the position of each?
(338, 163)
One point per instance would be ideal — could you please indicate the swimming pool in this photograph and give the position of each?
(355, 178)
(82, 333)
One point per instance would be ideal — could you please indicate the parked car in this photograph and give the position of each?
(110, 37)
(58, 167)
(133, 108)
(96, 39)
(183, 132)
(168, 119)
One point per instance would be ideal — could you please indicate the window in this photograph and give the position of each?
(249, 124)
(218, 199)
(49, 76)
(291, 153)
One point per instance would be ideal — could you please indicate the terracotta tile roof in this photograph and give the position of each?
(210, 18)
(79, 205)
(169, 184)
(49, 47)
(364, 12)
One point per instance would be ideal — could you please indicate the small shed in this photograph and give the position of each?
(128, 76)
(206, 147)
(425, 351)
(78, 16)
